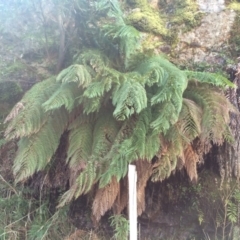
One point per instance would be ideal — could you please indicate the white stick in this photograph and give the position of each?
(132, 182)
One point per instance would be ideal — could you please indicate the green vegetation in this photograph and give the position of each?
(146, 19)
(179, 12)
(118, 105)
(112, 102)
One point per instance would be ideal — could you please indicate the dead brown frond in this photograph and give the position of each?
(17, 108)
(191, 159)
(144, 171)
(105, 198)
(122, 197)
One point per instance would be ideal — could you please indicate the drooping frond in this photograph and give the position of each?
(80, 142)
(144, 171)
(164, 115)
(89, 145)
(211, 78)
(167, 84)
(82, 184)
(162, 170)
(122, 197)
(145, 141)
(35, 151)
(75, 73)
(28, 116)
(65, 95)
(129, 99)
(105, 198)
(105, 130)
(94, 59)
(126, 36)
(190, 119)
(191, 159)
(216, 110)
(120, 154)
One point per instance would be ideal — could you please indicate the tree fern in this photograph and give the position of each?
(117, 105)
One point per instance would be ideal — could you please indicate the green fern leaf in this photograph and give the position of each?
(211, 78)
(35, 152)
(216, 110)
(80, 142)
(27, 117)
(190, 119)
(75, 73)
(65, 96)
(129, 99)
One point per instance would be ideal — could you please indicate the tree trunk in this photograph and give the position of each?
(228, 155)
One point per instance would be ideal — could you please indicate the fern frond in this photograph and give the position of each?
(126, 36)
(191, 159)
(216, 110)
(145, 141)
(35, 152)
(163, 170)
(27, 117)
(211, 78)
(94, 59)
(86, 179)
(82, 185)
(80, 142)
(104, 83)
(120, 154)
(164, 71)
(105, 198)
(104, 134)
(75, 73)
(190, 119)
(129, 99)
(164, 115)
(65, 96)
(167, 84)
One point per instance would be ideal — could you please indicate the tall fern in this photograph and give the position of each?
(117, 108)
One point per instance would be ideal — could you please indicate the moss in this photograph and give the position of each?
(150, 43)
(181, 12)
(234, 40)
(234, 6)
(146, 19)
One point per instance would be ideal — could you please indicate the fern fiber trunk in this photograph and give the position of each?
(228, 155)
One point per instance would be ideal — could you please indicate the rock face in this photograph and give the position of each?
(204, 43)
(211, 35)
(211, 6)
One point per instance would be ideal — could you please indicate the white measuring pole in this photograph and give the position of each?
(132, 188)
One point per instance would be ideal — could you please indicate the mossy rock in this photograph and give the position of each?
(180, 12)
(145, 18)
(234, 40)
